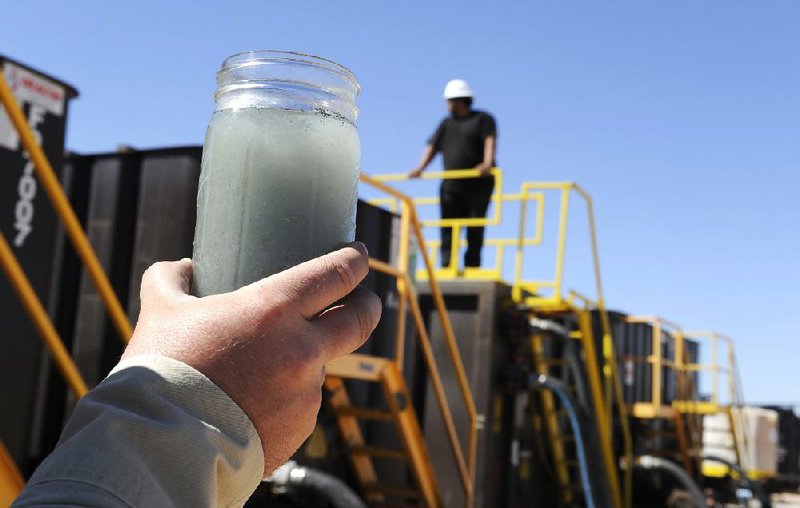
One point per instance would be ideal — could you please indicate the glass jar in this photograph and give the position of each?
(279, 177)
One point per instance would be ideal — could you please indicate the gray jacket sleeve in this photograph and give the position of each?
(154, 433)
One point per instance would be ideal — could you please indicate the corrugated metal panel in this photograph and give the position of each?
(166, 213)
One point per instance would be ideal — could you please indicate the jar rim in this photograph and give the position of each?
(256, 57)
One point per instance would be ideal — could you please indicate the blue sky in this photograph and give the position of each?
(681, 118)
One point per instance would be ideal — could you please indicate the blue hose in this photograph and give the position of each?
(561, 392)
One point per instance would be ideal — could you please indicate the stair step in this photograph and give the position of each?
(373, 451)
(389, 490)
(364, 413)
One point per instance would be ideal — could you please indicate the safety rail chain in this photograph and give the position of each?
(526, 292)
(683, 369)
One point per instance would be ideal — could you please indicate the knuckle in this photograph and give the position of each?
(369, 313)
(364, 320)
(346, 274)
(152, 273)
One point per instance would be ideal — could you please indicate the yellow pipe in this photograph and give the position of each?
(41, 321)
(64, 210)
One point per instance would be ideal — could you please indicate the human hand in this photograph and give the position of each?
(266, 344)
(485, 169)
(416, 172)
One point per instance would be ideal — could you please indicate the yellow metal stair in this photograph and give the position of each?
(552, 423)
(414, 452)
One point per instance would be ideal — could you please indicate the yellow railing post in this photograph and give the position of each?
(402, 266)
(656, 366)
(64, 210)
(714, 370)
(523, 208)
(562, 242)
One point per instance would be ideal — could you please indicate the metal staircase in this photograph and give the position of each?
(401, 413)
(558, 433)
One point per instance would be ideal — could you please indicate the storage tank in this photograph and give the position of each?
(29, 225)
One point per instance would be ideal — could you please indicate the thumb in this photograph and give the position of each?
(167, 279)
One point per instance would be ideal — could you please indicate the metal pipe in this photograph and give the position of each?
(650, 462)
(561, 391)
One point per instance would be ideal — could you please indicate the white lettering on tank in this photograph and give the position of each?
(26, 187)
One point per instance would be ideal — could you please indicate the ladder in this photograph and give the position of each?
(356, 367)
(551, 360)
(558, 434)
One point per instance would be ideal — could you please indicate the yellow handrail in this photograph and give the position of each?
(525, 290)
(35, 309)
(11, 481)
(410, 223)
(612, 383)
(64, 210)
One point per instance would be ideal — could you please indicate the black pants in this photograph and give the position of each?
(460, 200)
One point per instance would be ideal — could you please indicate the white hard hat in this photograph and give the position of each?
(457, 88)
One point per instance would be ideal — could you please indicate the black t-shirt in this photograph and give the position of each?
(461, 139)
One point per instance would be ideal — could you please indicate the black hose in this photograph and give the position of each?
(743, 479)
(650, 462)
(560, 390)
(338, 493)
(293, 477)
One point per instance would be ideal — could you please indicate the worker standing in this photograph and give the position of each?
(467, 139)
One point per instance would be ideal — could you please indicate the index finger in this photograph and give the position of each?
(315, 285)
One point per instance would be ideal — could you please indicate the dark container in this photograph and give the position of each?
(475, 310)
(166, 213)
(788, 440)
(28, 223)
